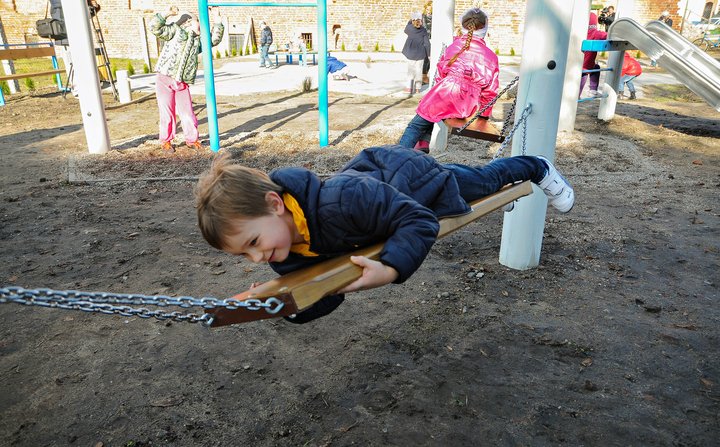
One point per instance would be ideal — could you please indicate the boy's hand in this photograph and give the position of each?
(375, 274)
(173, 11)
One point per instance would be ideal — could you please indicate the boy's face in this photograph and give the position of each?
(263, 239)
(417, 23)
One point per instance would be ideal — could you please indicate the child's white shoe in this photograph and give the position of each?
(558, 190)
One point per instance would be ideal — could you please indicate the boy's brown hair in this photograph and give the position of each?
(228, 191)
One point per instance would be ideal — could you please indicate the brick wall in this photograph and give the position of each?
(350, 22)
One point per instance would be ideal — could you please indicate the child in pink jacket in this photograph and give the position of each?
(467, 79)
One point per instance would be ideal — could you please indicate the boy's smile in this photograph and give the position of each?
(263, 239)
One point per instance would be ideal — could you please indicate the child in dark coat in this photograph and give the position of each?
(292, 219)
(416, 50)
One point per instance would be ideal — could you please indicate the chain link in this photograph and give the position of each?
(119, 303)
(522, 121)
(491, 103)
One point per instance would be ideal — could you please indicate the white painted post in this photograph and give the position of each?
(571, 90)
(123, 86)
(77, 23)
(543, 68)
(606, 110)
(144, 42)
(443, 28)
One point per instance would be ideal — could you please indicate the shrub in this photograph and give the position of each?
(234, 52)
(377, 46)
(602, 54)
(146, 69)
(227, 54)
(342, 47)
(254, 49)
(392, 48)
(247, 51)
(512, 51)
(306, 85)
(113, 70)
(5, 87)
(359, 48)
(29, 83)
(217, 54)
(638, 55)
(497, 51)
(130, 69)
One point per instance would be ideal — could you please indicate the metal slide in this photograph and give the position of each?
(688, 63)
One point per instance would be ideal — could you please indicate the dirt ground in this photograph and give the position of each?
(614, 340)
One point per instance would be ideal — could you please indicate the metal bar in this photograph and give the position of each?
(592, 98)
(310, 5)
(323, 120)
(595, 70)
(57, 75)
(209, 75)
(606, 45)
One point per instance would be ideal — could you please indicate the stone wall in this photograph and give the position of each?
(350, 22)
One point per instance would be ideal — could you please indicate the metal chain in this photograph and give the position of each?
(117, 303)
(522, 121)
(491, 103)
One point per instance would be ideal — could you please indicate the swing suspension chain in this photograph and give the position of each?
(522, 121)
(491, 103)
(119, 303)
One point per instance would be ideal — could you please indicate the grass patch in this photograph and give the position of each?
(670, 92)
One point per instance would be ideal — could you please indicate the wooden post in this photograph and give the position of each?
(543, 70)
(85, 70)
(571, 89)
(443, 31)
(8, 66)
(144, 42)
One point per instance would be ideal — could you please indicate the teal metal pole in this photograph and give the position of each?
(322, 73)
(209, 75)
(57, 75)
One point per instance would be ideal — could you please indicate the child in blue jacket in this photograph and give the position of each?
(292, 219)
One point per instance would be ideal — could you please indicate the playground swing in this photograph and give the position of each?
(282, 296)
(480, 128)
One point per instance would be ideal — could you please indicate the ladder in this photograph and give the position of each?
(100, 50)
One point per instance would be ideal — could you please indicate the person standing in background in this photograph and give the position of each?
(416, 49)
(176, 68)
(266, 39)
(427, 24)
(664, 18)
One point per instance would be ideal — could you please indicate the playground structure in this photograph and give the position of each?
(26, 51)
(547, 84)
(210, 72)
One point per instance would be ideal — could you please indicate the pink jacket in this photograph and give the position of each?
(465, 86)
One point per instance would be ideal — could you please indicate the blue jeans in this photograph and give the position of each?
(627, 79)
(417, 129)
(476, 182)
(264, 59)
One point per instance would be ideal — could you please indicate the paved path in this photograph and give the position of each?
(376, 78)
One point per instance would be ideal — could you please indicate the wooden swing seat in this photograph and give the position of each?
(480, 129)
(302, 288)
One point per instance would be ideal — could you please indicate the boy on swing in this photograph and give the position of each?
(293, 219)
(467, 79)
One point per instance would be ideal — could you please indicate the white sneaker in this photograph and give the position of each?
(558, 190)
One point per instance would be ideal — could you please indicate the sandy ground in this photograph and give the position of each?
(612, 341)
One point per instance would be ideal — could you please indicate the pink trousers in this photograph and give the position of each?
(174, 96)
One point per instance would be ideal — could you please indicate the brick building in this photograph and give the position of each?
(352, 23)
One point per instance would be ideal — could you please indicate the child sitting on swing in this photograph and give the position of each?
(293, 219)
(466, 80)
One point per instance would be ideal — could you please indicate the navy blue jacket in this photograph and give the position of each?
(417, 45)
(387, 193)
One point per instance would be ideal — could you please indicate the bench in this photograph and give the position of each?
(289, 56)
(30, 51)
